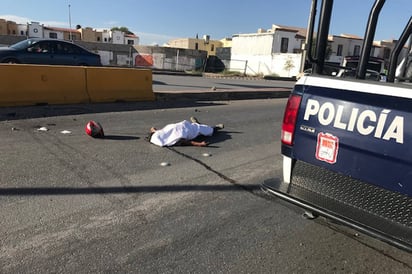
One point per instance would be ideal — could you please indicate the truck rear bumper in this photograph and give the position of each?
(372, 210)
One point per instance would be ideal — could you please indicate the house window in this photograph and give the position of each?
(339, 51)
(356, 50)
(284, 44)
(196, 46)
(53, 35)
(212, 47)
(130, 42)
(98, 39)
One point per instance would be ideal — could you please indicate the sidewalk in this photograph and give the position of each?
(223, 94)
(216, 94)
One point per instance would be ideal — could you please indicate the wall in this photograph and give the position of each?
(35, 30)
(117, 37)
(3, 27)
(251, 45)
(259, 54)
(88, 34)
(286, 64)
(72, 84)
(60, 35)
(277, 41)
(200, 44)
(12, 28)
(165, 58)
(279, 64)
(162, 58)
(348, 45)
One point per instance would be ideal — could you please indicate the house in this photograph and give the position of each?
(3, 27)
(343, 45)
(351, 45)
(205, 44)
(117, 36)
(61, 33)
(8, 27)
(266, 52)
(35, 30)
(89, 35)
(131, 39)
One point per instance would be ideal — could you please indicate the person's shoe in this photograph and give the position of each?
(194, 120)
(220, 126)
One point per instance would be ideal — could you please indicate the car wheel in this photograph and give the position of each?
(11, 61)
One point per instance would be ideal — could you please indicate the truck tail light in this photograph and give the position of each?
(289, 119)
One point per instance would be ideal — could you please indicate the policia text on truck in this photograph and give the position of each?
(347, 142)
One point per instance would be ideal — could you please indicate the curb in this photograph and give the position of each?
(222, 95)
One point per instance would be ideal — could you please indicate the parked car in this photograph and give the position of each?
(48, 52)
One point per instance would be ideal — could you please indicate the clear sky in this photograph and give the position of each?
(158, 21)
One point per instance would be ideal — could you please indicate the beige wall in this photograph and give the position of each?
(226, 42)
(8, 27)
(3, 27)
(88, 35)
(197, 44)
(12, 28)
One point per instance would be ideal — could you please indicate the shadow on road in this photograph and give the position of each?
(27, 112)
(218, 137)
(120, 137)
(35, 191)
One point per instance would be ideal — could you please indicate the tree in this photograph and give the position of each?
(289, 65)
(123, 29)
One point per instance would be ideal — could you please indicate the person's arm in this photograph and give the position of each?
(199, 144)
(191, 143)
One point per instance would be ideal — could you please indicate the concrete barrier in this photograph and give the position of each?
(37, 84)
(22, 85)
(119, 84)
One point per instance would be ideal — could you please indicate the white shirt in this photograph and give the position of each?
(172, 133)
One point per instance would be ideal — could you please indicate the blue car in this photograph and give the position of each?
(48, 52)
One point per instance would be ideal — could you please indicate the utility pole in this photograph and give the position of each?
(70, 25)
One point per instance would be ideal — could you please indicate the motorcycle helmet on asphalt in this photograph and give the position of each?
(94, 129)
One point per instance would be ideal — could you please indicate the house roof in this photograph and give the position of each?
(301, 32)
(131, 35)
(350, 36)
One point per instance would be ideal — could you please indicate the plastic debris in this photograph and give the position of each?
(164, 164)
(43, 129)
(65, 132)
(206, 154)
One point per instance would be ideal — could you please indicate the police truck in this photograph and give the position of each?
(347, 142)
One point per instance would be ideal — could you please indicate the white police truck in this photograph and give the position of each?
(347, 142)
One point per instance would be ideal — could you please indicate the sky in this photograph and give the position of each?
(158, 21)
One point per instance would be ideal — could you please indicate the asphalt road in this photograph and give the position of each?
(173, 83)
(74, 204)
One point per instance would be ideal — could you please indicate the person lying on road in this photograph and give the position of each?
(182, 133)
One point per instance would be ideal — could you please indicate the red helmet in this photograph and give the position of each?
(94, 129)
